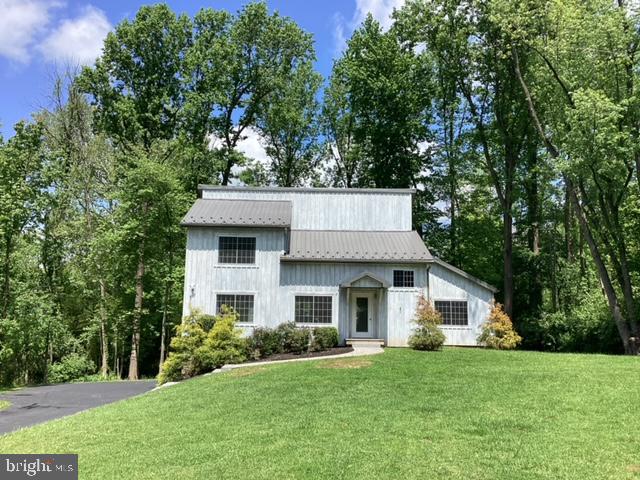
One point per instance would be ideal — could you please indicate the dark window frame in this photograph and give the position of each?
(313, 309)
(404, 278)
(455, 313)
(242, 303)
(234, 250)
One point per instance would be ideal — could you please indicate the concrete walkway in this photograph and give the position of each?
(33, 405)
(358, 351)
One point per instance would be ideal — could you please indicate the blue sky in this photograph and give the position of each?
(39, 36)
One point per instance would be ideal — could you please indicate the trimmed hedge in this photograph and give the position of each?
(324, 338)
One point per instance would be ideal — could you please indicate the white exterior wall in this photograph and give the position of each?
(204, 277)
(447, 285)
(314, 210)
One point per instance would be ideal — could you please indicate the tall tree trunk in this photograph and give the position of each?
(508, 260)
(533, 234)
(6, 271)
(104, 343)
(137, 308)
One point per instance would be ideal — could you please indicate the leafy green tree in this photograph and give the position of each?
(288, 124)
(234, 67)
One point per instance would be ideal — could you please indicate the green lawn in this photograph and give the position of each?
(461, 414)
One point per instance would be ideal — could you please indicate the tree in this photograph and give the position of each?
(462, 40)
(288, 124)
(588, 123)
(234, 67)
(139, 94)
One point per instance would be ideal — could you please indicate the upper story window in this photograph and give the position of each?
(403, 278)
(313, 309)
(237, 250)
(454, 312)
(241, 304)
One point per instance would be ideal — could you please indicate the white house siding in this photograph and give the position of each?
(393, 304)
(313, 210)
(274, 285)
(204, 277)
(447, 285)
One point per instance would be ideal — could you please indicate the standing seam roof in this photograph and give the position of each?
(325, 245)
(256, 213)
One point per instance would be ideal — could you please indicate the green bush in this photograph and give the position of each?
(498, 332)
(202, 343)
(427, 335)
(324, 338)
(224, 343)
(263, 342)
(71, 367)
(292, 338)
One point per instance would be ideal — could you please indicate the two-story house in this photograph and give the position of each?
(323, 256)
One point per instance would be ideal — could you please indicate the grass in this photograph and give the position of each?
(4, 404)
(456, 414)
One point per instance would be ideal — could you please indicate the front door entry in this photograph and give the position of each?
(362, 308)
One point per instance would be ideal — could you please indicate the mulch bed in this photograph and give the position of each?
(289, 356)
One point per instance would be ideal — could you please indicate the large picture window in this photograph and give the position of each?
(454, 312)
(313, 309)
(242, 304)
(237, 250)
(403, 278)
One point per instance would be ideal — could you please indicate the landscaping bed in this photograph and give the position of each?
(291, 356)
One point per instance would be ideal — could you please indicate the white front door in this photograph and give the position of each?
(362, 315)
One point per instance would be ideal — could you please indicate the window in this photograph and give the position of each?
(241, 304)
(237, 250)
(454, 312)
(313, 309)
(403, 278)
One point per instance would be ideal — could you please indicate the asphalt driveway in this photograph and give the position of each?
(33, 405)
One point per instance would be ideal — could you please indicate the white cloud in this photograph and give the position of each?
(77, 40)
(21, 21)
(380, 9)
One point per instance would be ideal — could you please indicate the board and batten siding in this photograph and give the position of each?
(314, 210)
(275, 284)
(205, 277)
(445, 284)
(391, 304)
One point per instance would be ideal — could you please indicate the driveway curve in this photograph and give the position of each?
(33, 405)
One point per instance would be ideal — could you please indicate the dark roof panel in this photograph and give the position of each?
(238, 213)
(357, 246)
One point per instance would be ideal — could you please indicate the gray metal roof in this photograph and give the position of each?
(357, 246)
(307, 189)
(230, 213)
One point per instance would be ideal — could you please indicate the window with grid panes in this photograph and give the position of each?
(454, 312)
(403, 278)
(241, 304)
(313, 309)
(237, 250)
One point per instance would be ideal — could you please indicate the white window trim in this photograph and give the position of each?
(236, 292)
(235, 265)
(334, 308)
(454, 327)
(404, 289)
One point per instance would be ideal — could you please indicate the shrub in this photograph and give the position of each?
(498, 332)
(71, 367)
(427, 335)
(292, 338)
(202, 343)
(263, 342)
(224, 343)
(324, 338)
